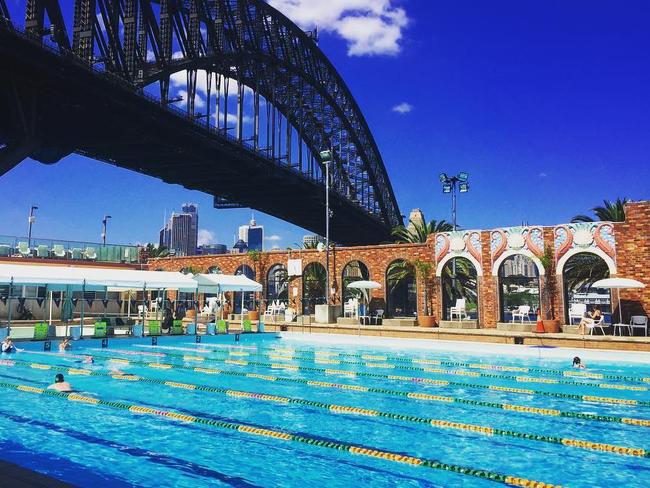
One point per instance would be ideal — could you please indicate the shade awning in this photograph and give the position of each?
(59, 277)
(218, 283)
(618, 283)
(364, 285)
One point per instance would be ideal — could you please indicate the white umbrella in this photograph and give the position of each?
(364, 285)
(618, 283)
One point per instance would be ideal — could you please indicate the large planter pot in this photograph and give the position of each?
(551, 326)
(253, 315)
(427, 320)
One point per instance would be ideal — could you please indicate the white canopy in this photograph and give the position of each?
(58, 277)
(217, 283)
(364, 285)
(618, 283)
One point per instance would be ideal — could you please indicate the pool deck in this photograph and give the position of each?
(15, 476)
(617, 343)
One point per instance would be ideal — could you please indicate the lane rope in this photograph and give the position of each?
(287, 436)
(366, 389)
(435, 372)
(351, 410)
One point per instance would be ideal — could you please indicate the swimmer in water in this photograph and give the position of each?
(8, 346)
(577, 363)
(60, 384)
(65, 345)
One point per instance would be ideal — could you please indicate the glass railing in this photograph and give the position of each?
(15, 246)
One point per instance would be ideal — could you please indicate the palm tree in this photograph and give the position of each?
(610, 212)
(463, 284)
(584, 269)
(419, 232)
(154, 251)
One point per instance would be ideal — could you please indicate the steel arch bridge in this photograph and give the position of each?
(227, 97)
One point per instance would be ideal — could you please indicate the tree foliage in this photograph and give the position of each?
(609, 212)
(420, 231)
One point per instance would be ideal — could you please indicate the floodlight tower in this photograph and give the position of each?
(449, 185)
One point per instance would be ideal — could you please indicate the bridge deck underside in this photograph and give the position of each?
(70, 108)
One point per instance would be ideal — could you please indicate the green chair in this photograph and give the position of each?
(100, 330)
(222, 327)
(90, 253)
(24, 249)
(154, 328)
(248, 326)
(40, 331)
(42, 251)
(177, 328)
(77, 253)
(58, 251)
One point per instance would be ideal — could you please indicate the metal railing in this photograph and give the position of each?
(17, 246)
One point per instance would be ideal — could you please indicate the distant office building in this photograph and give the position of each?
(239, 247)
(253, 235)
(181, 231)
(416, 218)
(210, 249)
(311, 241)
(519, 266)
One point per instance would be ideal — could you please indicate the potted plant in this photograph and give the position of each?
(424, 270)
(549, 289)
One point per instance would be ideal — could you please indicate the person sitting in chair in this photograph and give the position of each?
(591, 317)
(167, 321)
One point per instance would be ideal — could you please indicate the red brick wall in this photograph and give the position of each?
(632, 248)
(633, 258)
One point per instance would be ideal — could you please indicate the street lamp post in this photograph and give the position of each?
(104, 222)
(31, 219)
(449, 185)
(326, 158)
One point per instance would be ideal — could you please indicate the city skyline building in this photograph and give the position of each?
(311, 240)
(180, 232)
(253, 235)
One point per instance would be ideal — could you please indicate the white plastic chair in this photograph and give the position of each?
(24, 249)
(523, 311)
(598, 323)
(269, 313)
(351, 308)
(458, 310)
(577, 311)
(639, 322)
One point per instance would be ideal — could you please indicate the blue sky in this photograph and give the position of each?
(545, 104)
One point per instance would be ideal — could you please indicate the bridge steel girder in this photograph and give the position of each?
(143, 42)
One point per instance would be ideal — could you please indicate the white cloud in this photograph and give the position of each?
(273, 238)
(369, 27)
(403, 108)
(543, 175)
(205, 237)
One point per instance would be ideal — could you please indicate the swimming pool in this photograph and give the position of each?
(306, 411)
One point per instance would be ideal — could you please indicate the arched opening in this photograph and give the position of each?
(249, 296)
(578, 274)
(401, 289)
(353, 271)
(518, 285)
(214, 270)
(277, 284)
(313, 287)
(459, 281)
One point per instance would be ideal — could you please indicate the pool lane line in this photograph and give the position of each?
(287, 436)
(365, 389)
(351, 410)
(518, 391)
(440, 362)
(440, 371)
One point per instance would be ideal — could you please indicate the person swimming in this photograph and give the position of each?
(8, 346)
(60, 384)
(65, 345)
(577, 363)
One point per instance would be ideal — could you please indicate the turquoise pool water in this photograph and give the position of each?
(277, 412)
